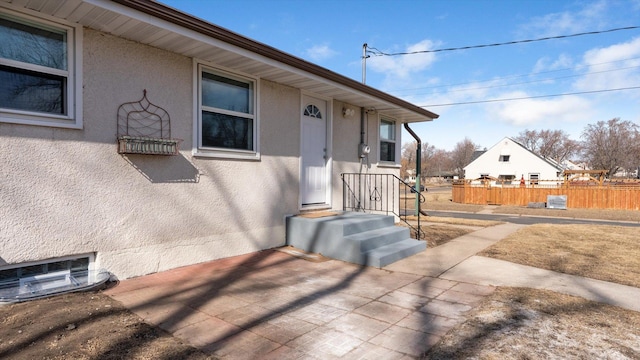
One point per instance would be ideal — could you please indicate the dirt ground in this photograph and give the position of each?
(86, 325)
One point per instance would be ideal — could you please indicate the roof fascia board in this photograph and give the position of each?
(187, 25)
(161, 23)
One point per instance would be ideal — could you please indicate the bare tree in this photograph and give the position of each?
(427, 153)
(408, 159)
(554, 144)
(529, 139)
(462, 155)
(441, 161)
(611, 145)
(433, 160)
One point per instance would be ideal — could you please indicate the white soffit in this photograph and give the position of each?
(122, 21)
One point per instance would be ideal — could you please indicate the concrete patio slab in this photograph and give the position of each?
(274, 305)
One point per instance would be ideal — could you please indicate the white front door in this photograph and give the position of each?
(313, 177)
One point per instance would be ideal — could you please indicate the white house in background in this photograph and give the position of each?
(264, 135)
(411, 176)
(509, 161)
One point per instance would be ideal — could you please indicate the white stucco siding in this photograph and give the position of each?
(67, 192)
(346, 138)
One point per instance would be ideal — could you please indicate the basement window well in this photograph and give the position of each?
(36, 280)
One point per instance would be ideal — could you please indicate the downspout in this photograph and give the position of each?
(363, 148)
(418, 166)
(361, 125)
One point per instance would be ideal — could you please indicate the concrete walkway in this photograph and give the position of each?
(457, 261)
(494, 272)
(272, 304)
(435, 261)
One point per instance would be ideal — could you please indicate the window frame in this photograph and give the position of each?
(219, 152)
(506, 179)
(504, 158)
(395, 140)
(73, 74)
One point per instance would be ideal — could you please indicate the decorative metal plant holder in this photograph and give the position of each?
(144, 128)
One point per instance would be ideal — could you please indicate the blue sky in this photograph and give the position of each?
(331, 34)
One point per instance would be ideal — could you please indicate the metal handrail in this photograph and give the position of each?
(381, 193)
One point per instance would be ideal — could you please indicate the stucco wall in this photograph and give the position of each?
(346, 137)
(67, 192)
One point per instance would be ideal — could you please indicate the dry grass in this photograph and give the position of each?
(609, 253)
(458, 221)
(520, 323)
(440, 230)
(436, 235)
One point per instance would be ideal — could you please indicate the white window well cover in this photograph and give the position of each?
(52, 283)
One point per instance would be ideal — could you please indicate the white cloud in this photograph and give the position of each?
(563, 23)
(404, 65)
(615, 66)
(563, 61)
(320, 52)
(544, 112)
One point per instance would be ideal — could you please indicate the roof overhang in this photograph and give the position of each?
(155, 24)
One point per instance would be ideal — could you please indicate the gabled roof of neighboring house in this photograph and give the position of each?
(155, 24)
(549, 161)
(476, 154)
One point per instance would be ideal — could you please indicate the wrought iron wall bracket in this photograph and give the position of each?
(144, 128)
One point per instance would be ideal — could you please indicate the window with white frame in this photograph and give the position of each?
(227, 120)
(39, 72)
(504, 158)
(387, 140)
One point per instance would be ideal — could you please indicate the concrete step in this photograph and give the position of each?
(366, 239)
(353, 223)
(388, 254)
(371, 239)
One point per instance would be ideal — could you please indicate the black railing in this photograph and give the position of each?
(383, 194)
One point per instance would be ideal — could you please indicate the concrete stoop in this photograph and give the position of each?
(359, 238)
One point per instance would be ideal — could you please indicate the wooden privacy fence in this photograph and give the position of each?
(619, 197)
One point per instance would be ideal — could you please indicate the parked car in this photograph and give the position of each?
(422, 188)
